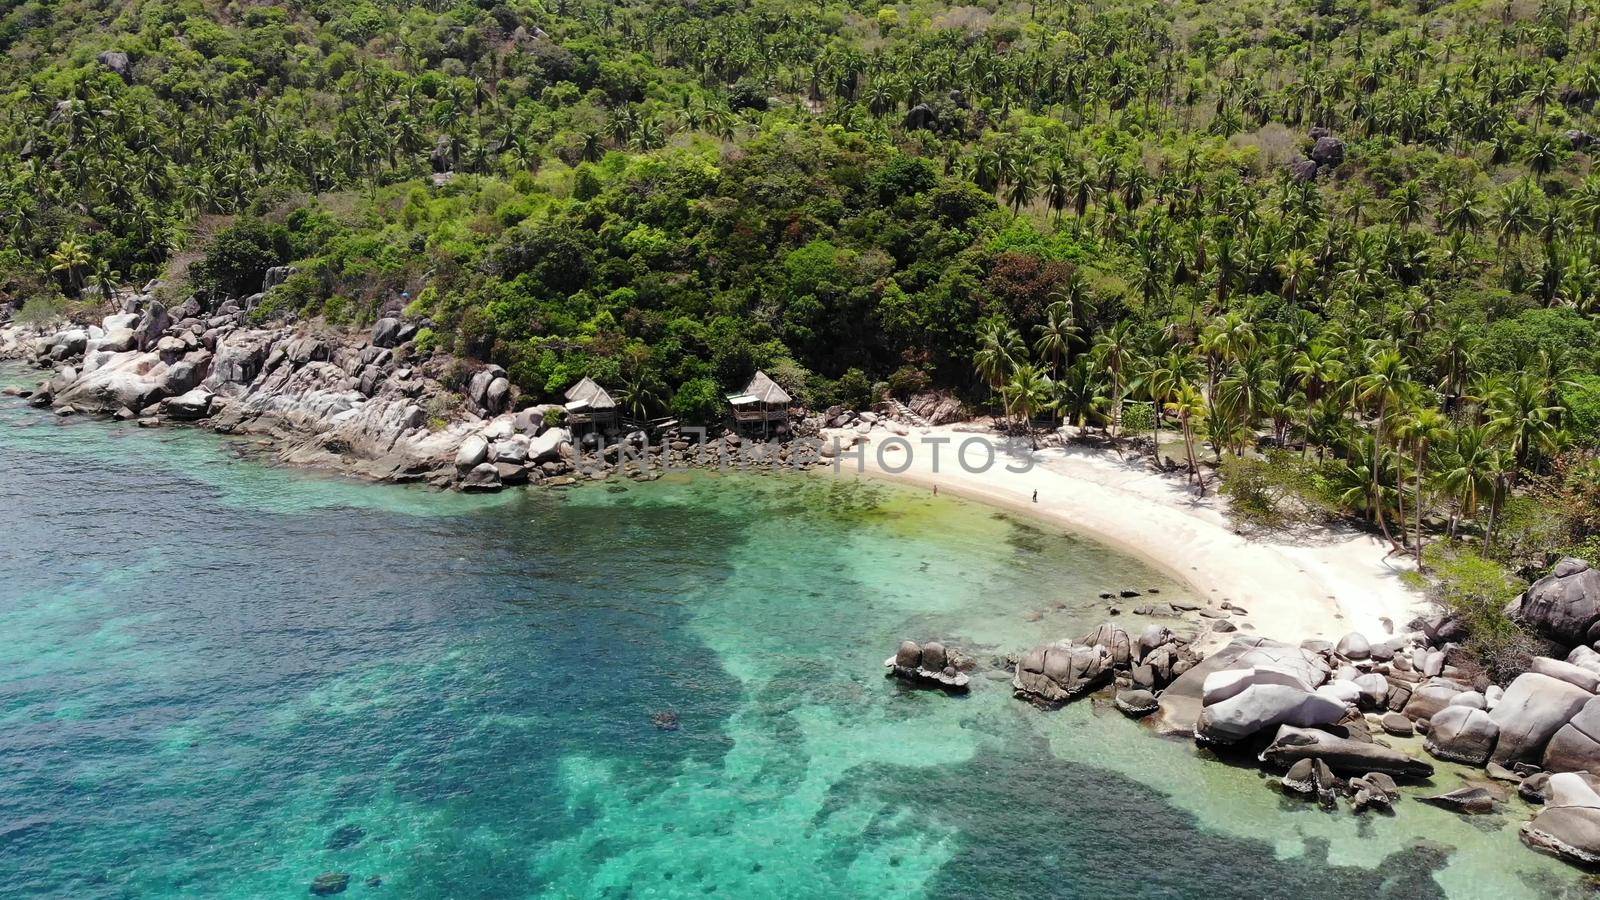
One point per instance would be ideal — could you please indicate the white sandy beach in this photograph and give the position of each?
(1322, 585)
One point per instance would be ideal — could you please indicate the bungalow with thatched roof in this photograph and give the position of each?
(588, 404)
(762, 400)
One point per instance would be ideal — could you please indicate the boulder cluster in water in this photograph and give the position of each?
(1322, 713)
(932, 664)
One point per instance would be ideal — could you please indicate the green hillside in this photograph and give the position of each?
(1065, 207)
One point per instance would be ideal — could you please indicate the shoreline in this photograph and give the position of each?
(358, 404)
(1324, 586)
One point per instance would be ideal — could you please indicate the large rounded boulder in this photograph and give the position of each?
(1116, 641)
(1576, 746)
(1462, 734)
(1569, 824)
(1565, 605)
(1265, 706)
(1530, 713)
(1059, 672)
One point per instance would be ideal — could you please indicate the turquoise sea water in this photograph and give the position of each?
(219, 678)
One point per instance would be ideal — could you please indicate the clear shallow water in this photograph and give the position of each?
(218, 678)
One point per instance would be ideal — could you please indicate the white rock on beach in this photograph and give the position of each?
(1264, 706)
(1229, 683)
(1533, 709)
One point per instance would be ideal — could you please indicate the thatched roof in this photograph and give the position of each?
(586, 391)
(764, 389)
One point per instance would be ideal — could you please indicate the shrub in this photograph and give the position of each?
(1138, 418)
(42, 310)
(238, 258)
(698, 402)
(1272, 491)
(1477, 589)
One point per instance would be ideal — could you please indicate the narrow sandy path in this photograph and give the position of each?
(1324, 584)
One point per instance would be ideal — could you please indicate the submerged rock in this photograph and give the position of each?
(345, 836)
(1136, 704)
(330, 883)
(1470, 800)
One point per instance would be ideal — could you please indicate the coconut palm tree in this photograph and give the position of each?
(1056, 335)
(1026, 393)
(1421, 428)
(1188, 406)
(1383, 386)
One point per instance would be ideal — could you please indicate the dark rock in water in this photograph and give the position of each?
(1136, 704)
(330, 883)
(1374, 790)
(1057, 673)
(375, 881)
(1223, 626)
(1397, 725)
(666, 720)
(1115, 639)
(909, 655)
(1106, 595)
(1471, 800)
(1342, 754)
(931, 664)
(1313, 778)
(1128, 592)
(345, 836)
(1532, 788)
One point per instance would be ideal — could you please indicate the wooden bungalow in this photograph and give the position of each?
(762, 401)
(589, 406)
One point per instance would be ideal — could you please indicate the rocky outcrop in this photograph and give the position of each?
(930, 664)
(1229, 683)
(1060, 672)
(1533, 709)
(1183, 700)
(1342, 754)
(1116, 642)
(1565, 671)
(1569, 824)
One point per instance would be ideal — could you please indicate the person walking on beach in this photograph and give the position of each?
(1036, 495)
